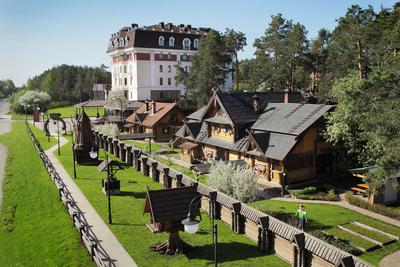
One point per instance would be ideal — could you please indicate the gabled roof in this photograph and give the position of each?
(272, 145)
(239, 106)
(170, 204)
(197, 115)
(147, 117)
(289, 118)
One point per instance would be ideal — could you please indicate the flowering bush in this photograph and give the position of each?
(110, 129)
(240, 182)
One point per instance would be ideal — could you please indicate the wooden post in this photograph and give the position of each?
(110, 145)
(129, 157)
(136, 154)
(179, 180)
(236, 226)
(264, 241)
(122, 152)
(145, 166)
(116, 148)
(155, 174)
(166, 178)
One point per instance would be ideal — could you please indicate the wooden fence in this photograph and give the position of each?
(88, 238)
(298, 248)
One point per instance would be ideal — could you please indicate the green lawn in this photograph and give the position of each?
(325, 217)
(42, 138)
(36, 230)
(367, 233)
(129, 224)
(353, 239)
(66, 112)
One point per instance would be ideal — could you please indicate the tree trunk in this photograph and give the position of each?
(361, 67)
(237, 71)
(174, 245)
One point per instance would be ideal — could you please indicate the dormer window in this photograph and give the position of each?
(186, 44)
(196, 43)
(161, 41)
(171, 41)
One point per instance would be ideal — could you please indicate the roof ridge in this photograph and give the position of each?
(294, 110)
(306, 118)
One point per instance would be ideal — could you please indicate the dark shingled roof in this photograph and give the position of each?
(289, 118)
(169, 204)
(197, 114)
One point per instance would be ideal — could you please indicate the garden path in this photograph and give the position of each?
(391, 260)
(108, 240)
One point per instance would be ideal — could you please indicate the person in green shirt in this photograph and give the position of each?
(301, 214)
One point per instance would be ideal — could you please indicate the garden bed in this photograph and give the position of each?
(392, 230)
(375, 236)
(357, 242)
(321, 192)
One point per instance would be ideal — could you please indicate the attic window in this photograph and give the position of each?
(171, 41)
(186, 44)
(196, 43)
(161, 41)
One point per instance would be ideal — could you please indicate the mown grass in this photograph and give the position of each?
(66, 112)
(367, 233)
(325, 217)
(36, 230)
(381, 226)
(42, 138)
(353, 239)
(129, 224)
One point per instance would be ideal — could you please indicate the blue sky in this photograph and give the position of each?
(38, 34)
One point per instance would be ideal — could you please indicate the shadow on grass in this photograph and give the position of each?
(227, 252)
(132, 194)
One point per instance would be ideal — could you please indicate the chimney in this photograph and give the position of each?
(153, 108)
(286, 96)
(256, 103)
(147, 106)
(162, 25)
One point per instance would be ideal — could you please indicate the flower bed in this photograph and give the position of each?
(355, 241)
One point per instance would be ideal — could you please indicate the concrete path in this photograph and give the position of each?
(108, 240)
(343, 203)
(5, 127)
(391, 260)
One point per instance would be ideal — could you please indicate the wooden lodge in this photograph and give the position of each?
(276, 133)
(157, 118)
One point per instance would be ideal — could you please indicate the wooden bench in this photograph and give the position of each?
(363, 186)
(358, 190)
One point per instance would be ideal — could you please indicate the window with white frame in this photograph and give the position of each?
(161, 81)
(161, 41)
(171, 41)
(161, 68)
(186, 44)
(196, 43)
(169, 68)
(169, 81)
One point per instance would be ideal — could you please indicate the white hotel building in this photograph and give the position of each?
(144, 59)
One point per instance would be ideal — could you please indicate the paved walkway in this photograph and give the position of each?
(343, 204)
(108, 240)
(391, 260)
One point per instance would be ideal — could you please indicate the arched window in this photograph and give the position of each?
(126, 40)
(171, 41)
(161, 41)
(169, 68)
(196, 43)
(186, 44)
(161, 68)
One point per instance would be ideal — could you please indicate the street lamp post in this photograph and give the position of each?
(73, 146)
(191, 224)
(93, 154)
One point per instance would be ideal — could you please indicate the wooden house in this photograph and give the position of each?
(157, 118)
(274, 132)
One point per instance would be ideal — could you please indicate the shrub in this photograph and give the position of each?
(110, 129)
(339, 243)
(240, 183)
(381, 209)
(353, 239)
(309, 190)
(9, 217)
(331, 195)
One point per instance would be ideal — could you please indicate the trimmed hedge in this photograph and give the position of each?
(367, 233)
(309, 193)
(354, 240)
(381, 209)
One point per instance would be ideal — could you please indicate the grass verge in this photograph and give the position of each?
(37, 231)
(381, 226)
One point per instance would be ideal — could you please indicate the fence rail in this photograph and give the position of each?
(87, 236)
